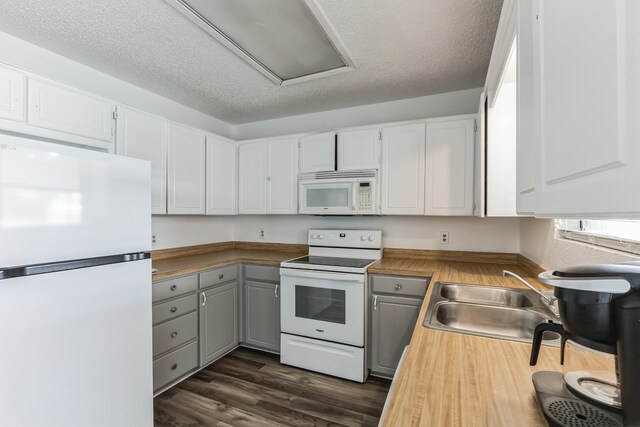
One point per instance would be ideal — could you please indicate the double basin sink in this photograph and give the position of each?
(511, 314)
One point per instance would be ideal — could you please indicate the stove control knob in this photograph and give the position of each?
(321, 236)
(363, 238)
(314, 236)
(371, 238)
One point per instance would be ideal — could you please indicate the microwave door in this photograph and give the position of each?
(328, 198)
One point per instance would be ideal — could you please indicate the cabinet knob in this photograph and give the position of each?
(174, 287)
(221, 276)
(174, 309)
(174, 334)
(268, 178)
(174, 366)
(398, 286)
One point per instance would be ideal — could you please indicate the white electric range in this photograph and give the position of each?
(323, 303)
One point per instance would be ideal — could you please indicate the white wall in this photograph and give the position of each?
(186, 230)
(445, 104)
(539, 243)
(29, 57)
(465, 233)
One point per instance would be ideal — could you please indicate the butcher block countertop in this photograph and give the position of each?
(448, 379)
(451, 379)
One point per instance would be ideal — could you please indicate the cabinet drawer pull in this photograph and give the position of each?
(174, 287)
(221, 276)
(375, 302)
(174, 309)
(204, 299)
(174, 366)
(174, 334)
(398, 286)
(276, 289)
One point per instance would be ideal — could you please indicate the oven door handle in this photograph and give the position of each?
(338, 277)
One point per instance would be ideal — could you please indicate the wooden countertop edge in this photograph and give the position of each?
(160, 254)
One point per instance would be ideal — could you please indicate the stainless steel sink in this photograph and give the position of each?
(511, 314)
(485, 295)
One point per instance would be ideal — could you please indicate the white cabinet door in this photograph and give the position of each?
(589, 154)
(282, 176)
(449, 168)
(318, 152)
(144, 136)
(221, 177)
(403, 157)
(11, 95)
(479, 162)
(186, 172)
(526, 127)
(65, 109)
(252, 175)
(359, 149)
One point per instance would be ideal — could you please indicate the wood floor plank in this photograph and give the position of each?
(251, 388)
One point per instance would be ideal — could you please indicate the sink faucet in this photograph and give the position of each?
(549, 300)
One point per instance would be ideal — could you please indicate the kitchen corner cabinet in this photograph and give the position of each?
(394, 312)
(64, 109)
(186, 171)
(219, 321)
(262, 307)
(318, 152)
(588, 155)
(359, 149)
(221, 176)
(144, 136)
(449, 167)
(12, 94)
(268, 177)
(403, 162)
(525, 126)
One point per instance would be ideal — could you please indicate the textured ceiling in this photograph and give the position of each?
(401, 48)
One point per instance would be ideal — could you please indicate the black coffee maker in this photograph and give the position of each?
(599, 308)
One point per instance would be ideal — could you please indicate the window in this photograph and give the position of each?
(622, 235)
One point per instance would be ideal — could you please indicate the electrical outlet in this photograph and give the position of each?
(262, 233)
(444, 237)
(153, 239)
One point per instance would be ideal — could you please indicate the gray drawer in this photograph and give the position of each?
(218, 276)
(262, 273)
(174, 333)
(174, 365)
(413, 286)
(174, 287)
(174, 308)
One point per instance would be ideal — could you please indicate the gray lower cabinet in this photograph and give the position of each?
(219, 321)
(395, 306)
(262, 307)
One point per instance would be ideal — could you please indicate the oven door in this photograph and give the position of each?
(328, 197)
(323, 305)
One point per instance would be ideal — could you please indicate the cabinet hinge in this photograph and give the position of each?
(380, 136)
(115, 114)
(475, 126)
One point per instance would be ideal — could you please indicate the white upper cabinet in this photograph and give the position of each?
(589, 77)
(318, 152)
(479, 162)
(144, 136)
(221, 176)
(252, 175)
(359, 149)
(62, 108)
(449, 168)
(526, 127)
(186, 171)
(403, 159)
(282, 178)
(11, 94)
(268, 177)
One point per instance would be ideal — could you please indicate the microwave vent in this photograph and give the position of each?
(366, 173)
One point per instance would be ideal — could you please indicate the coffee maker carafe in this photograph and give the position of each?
(599, 308)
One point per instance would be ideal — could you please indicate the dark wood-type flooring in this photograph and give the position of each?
(252, 388)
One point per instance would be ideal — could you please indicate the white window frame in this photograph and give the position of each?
(620, 235)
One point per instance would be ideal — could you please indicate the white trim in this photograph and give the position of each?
(624, 245)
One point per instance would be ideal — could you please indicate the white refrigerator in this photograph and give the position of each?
(75, 287)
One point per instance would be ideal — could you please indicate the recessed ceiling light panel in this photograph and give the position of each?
(288, 41)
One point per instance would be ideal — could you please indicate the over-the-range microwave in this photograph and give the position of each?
(339, 193)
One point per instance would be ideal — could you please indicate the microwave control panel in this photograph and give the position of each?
(365, 203)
